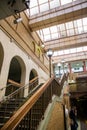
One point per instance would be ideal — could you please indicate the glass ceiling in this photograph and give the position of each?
(38, 6)
(70, 51)
(67, 29)
(58, 31)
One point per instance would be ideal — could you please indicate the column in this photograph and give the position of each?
(84, 66)
(70, 69)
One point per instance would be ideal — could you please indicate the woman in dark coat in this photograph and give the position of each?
(72, 115)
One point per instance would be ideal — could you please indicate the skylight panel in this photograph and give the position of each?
(42, 1)
(61, 52)
(47, 37)
(80, 30)
(54, 35)
(85, 48)
(62, 27)
(63, 2)
(69, 25)
(66, 29)
(53, 29)
(79, 22)
(54, 4)
(55, 53)
(46, 31)
(66, 51)
(34, 11)
(44, 7)
(33, 3)
(85, 21)
(79, 49)
(73, 50)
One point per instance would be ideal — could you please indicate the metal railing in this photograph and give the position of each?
(32, 111)
(30, 86)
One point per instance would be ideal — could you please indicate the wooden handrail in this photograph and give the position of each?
(23, 110)
(18, 84)
(32, 80)
(14, 83)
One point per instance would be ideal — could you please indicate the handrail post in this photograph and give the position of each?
(65, 126)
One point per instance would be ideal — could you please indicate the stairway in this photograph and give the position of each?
(8, 108)
(32, 119)
(31, 112)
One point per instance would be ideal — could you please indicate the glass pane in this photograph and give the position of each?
(76, 31)
(66, 51)
(68, 33)
(34, 11)
(79, 49)
(71, 32)
(85, 48)
(54, 3)
(85, 28)
(80, 30)
(42, 1)
(75, 24)
(85, 21)
(79, 22)
(53, 29)
(33, 3)
(65, 1)
(61, 52)
(47, 37)
(55, 53)
(54, 35)
(44, 7)
(73, 50)
(46, 31)
(63, 34)
(62, 27)
(69, 25)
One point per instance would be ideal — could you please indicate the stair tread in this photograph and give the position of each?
(6, 111)
(4, 116)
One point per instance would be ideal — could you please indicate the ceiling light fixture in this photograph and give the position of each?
(17, 20)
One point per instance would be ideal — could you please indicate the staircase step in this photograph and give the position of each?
(8, 109)
(1, 124)
(4, 119)
(6, 113)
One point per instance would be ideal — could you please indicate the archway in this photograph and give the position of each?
(15, 76)
(33, 79)
(1, 56)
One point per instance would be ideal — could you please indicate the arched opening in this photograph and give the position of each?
(33, 79)
(1, 56)
(15, 76)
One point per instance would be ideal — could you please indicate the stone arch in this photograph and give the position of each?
(1, 56)
(16, 74)
(33, 75)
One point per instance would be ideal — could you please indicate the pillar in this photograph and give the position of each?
(70, 69)
(84, 66)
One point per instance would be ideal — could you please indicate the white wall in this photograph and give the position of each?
(11, 50)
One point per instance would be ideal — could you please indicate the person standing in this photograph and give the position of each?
(72, 116)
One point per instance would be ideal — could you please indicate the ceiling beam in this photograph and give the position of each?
(62, 14)
(67, 42)
(70, 57)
